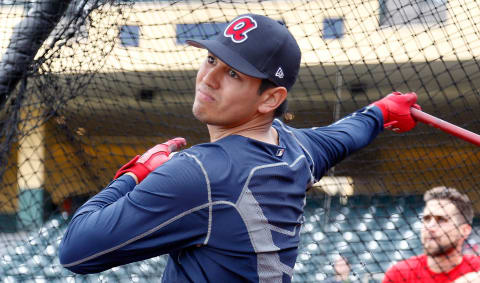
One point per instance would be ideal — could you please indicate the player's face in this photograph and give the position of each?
(223, 96)
(442, 230)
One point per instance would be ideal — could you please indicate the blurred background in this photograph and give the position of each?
(85, 85)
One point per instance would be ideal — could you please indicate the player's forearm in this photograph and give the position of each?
(110, 194)
(79, 240)
(363, 126)
(330, 145)
(355, 131)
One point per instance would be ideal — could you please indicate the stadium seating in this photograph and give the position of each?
(372, 232)
(27, 259)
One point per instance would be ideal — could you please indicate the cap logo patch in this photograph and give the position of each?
(279, 73)
(238, 29)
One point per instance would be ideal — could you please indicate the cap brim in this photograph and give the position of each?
(229, 57)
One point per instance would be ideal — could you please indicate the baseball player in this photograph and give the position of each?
(229, 210)
(447, 220)
(342, 270)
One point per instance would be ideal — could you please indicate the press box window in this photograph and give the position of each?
(130, 35)
(198, 31)
(333, 28)
(402, 12)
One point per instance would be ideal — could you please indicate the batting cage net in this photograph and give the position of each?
(86, 85)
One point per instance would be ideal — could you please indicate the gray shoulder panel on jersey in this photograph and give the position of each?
(270, 268)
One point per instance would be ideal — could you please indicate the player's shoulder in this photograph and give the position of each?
(410, 263)
(402, 270)
(206, 160)
(290, 133)
(211, 152)
(281, 126)
(472, 259)
(205, 147)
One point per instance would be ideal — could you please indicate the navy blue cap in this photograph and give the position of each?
(257, 46)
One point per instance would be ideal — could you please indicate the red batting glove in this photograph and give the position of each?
(141, 166)
(396, 111)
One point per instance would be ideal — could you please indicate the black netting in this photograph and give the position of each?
(109, 79)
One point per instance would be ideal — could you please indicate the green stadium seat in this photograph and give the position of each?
(331, 227)
(345, 210)
(374, 224)
(387, 246)
(333, 238)
(343, 247)
(394, 235)
(399, 219)
(365, 236)
(351, 236)
(373, 267)
(358, 247)
(379, 212)
(366, 257)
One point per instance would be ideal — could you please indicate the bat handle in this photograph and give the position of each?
(445, 126)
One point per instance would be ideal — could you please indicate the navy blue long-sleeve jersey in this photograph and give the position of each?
(228, 211)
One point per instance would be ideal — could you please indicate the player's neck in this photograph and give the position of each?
(445, 263)
(262, 131)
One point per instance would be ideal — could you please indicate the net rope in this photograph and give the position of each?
(114, 78)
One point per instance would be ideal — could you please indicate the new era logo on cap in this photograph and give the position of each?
(279, 73)
(238, 29)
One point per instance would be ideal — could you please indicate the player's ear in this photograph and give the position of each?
(271, 99)
(465, 229)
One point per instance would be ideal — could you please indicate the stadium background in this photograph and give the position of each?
(114, 78)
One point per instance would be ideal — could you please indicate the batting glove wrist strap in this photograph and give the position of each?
(141, 166)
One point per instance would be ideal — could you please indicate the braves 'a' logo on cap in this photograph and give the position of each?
(238, 29)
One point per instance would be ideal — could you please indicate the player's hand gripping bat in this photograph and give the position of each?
(396, 111)
(401, 114)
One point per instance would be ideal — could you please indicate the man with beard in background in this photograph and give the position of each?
(447, 220)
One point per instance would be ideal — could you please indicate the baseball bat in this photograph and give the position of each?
(445, 126)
